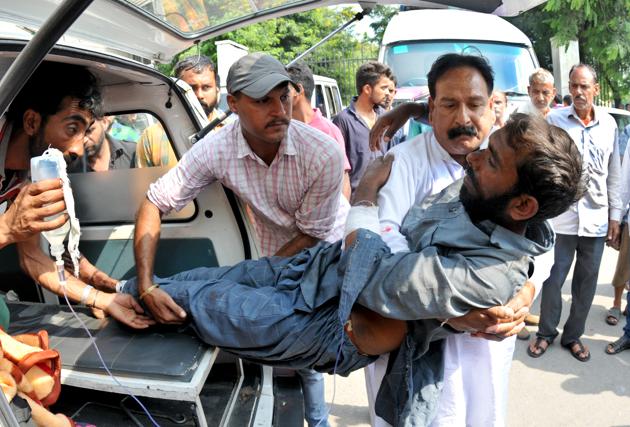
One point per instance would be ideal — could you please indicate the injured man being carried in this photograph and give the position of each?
(335, 309)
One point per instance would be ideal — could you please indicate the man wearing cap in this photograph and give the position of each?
(288, 173)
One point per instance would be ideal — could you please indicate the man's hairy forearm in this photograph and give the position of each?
(295, 245)
(146, 237)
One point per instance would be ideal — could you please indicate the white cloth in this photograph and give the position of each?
(625, 179)
(597, 143)
(476, 384)
(528, 108)
(421, 168)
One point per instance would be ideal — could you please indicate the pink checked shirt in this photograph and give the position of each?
(299, 191)
(329, 128)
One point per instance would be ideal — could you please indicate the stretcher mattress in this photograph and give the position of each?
(159, 353)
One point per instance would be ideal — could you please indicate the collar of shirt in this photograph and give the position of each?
(287, 145)
(572, 114)
(439, 150)
(446, 208)
(353, 109)
(539, 238)
(318, 115)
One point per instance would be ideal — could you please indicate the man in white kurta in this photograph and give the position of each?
(476, 370)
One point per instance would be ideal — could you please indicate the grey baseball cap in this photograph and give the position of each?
(256, 75)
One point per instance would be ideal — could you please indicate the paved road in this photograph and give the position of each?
(554, 390)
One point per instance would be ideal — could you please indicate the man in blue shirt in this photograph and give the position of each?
(472, 243)
(374, 83)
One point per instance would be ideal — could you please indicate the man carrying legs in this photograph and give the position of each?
(287, 172)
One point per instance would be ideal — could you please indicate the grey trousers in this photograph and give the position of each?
(588, 252)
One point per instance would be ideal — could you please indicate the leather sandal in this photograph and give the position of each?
(618, 346)
(613, 315)
(580, 350)
(539, 349)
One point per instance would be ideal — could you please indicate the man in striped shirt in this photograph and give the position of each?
(287, 172)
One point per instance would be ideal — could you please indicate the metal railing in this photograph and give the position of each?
(342, 66)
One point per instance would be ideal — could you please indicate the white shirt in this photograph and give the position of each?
(597, 143)
(300, 191)
(421, 168)
(625, 180)
(528, 108)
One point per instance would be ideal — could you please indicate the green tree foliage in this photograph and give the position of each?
(534, 24)
(602, 29)
(380, 16)
(285, 38)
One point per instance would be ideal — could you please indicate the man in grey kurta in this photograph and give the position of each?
(291, 311)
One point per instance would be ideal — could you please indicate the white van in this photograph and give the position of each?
(326, 96)
(414, 39)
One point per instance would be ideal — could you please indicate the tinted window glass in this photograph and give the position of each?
(336, 99)
(411, 62)
(125, 141)
(329, 99)
(319, 100)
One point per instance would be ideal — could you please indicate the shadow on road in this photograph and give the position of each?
(350, 415)
(602, 372)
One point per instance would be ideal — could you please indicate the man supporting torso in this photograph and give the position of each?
(476, 370)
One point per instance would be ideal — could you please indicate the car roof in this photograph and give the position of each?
(322, 79)
(159, 29)
(618, 111)
(430, 25)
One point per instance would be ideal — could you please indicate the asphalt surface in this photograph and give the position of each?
(553, 390)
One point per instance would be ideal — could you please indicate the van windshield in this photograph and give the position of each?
(411, 61)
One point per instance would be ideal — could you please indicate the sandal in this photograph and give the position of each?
(538, 349)
(578, 352)
(523, 334)
(613, 315)
(618, 346)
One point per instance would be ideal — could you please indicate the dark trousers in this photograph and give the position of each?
(588, 252)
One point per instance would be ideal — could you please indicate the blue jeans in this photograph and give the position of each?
(315, 407)
(257, 311)
(253, 290)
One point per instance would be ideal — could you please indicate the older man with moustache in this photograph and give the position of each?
(541, 91)
(584, 229)
(461, 114)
